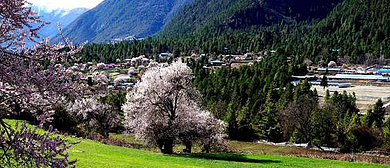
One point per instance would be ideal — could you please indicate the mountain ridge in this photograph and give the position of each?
(63, 16)
(245, 13)
(114, 19)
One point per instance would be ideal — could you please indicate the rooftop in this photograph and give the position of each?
(358, 77)
(328, 68)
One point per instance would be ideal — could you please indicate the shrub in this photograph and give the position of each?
(362, 138)
(63, 120)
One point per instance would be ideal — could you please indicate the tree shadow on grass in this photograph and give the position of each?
(229, 157)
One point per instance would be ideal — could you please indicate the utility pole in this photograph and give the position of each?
(381, 58)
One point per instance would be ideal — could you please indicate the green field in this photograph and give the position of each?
(92, 154)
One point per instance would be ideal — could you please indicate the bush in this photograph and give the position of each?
(64, 121)
(362, 138)
(386, 132)
(18, 113)
(95, 116)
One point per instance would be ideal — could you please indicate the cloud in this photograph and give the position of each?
(66, 4)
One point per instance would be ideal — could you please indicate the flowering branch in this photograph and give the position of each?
(36, 79)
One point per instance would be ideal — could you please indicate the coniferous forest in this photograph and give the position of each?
(259, 102)
(352, 31)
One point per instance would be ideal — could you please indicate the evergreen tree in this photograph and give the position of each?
(375, 116)
(386, 132)
(230, 119)
(327, 95)
(379, 113)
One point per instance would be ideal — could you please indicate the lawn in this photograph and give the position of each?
(92, 154)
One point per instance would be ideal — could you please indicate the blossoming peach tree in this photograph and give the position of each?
(163, 109)
(98, 116)
(35, 79)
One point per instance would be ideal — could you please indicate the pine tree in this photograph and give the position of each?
(386, 132)
(230, 119)
(375, 116)
(379, 113)
(327, 95)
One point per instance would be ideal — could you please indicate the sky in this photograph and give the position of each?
(67, 4)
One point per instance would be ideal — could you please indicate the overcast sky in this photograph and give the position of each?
(68, 4)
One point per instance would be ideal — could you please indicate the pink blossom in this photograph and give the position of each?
(98, 116)
(163, 108)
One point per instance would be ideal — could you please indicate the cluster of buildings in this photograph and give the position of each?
(139, 64)
(343, 76)
(337, 76)
(229, 60)
(140, 61)
(133, 68)
(122, 74)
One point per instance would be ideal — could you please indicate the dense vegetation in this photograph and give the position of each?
(243, 96)
(122, 18)
(32, 81)
(353, 32)
(221, 14)
(259, 102)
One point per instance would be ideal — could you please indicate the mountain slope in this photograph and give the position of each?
(114, 19)
(354, 30)
(63, 16)
(222, 14)
(357, 28)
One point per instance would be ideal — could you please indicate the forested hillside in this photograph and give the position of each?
(357, 28)
(354, 31)
(250, 98)
(118, 19)
(223, 14)
(354, 28)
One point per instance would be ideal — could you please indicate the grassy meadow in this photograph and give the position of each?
(92, 154)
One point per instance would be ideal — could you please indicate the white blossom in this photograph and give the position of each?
(101, 66)
(99, 116)
(163, 109)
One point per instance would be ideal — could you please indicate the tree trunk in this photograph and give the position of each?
(167, 147)
(188, 145)
(104, 134)
(206, 147)
(309, 144)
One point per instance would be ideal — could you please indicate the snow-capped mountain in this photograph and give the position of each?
(63, 16)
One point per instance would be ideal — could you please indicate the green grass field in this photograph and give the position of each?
(92, 154)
